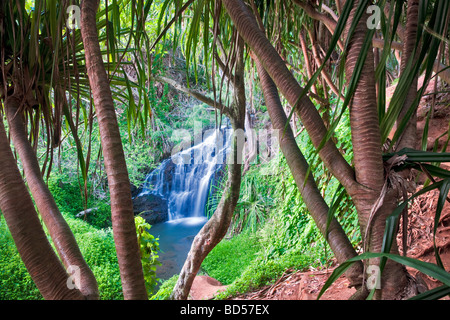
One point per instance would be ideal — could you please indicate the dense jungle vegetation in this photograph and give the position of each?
(92, 98)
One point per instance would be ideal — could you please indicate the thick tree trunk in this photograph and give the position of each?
(119, 185)
(365, 184)
(23, 222)
(57, 226)
(267, 57)
(369, 163)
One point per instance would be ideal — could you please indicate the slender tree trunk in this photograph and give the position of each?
(116, 169)
(211, 233)
(57, 226)
(31, 241)
(277, 71)
(365, 184)
(217, 226)
(309, 72)
(409, 136)
(335, 235)
(378, 43)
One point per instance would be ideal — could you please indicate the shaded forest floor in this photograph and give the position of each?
(306, 285)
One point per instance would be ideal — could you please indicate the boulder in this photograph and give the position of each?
(151, 207)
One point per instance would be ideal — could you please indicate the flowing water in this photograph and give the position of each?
(184, 181)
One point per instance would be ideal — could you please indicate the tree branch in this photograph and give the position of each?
(201, 97)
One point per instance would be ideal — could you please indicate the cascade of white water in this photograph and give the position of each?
(184, 179)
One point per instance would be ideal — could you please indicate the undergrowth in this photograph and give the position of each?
(96, 245)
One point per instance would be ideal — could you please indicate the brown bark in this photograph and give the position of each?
(304, 47)
(31, 241)
(115, 166)
(368, 162)
(58, 228)
(323, 72)
(335, 235)
(408, 138)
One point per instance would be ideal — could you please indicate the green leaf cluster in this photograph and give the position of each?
(148, 248)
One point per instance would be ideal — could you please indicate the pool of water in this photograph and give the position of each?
(175, 240)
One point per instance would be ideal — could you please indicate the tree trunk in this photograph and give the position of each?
(217, 226)
(369, 164)
(365, 184)
(408, 138)
(23, 222)
(115, 166)
(57, 226)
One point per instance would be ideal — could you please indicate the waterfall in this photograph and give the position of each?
(184, 180)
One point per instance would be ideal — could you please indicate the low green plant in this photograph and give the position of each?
(70, 200)
(231, 257)
(149, 247)
(15, 281)
(97, 247)
(166, 288)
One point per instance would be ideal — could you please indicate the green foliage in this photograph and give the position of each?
(70, 199)
(96, 246)
(166, 288)
(294, 225)
(255, 200)
(15, 281)
(230, 258)
(98, 249)
(67, 195)
(148, 247)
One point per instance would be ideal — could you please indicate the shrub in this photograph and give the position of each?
(148, 247)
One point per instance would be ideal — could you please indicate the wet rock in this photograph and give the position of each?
(134, 190)
(151, 207)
